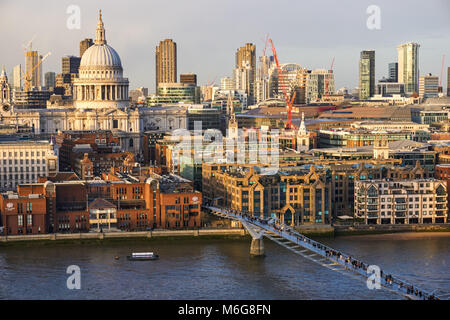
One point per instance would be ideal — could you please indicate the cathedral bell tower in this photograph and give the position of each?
(5, 92)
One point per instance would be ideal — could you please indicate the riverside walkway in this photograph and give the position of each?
(322, 254)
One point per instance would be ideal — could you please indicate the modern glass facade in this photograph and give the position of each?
(408, 66)
(367, 74)
(174, 93)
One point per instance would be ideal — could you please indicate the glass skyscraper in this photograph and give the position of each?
(408, 66)
(366, 74)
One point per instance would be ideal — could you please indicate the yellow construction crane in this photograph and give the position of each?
(29, 76)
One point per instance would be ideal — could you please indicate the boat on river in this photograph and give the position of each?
(143, 256)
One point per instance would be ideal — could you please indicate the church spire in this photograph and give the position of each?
(101, 38)
(230, 108)
(302, 129)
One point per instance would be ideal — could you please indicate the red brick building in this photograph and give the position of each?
(142, 199)
(23, 214)
(90, 153)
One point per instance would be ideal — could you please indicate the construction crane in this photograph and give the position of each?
(265, 44)
(211, 82)
(327, 80)
(29, 45)
(289, 102)
(29, 75)
(442, 70)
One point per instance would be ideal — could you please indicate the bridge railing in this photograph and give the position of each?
(339, 257)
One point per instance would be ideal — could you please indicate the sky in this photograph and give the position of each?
(208, 33)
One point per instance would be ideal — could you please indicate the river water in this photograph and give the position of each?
(219, 269)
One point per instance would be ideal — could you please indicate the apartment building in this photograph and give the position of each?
(401, 202)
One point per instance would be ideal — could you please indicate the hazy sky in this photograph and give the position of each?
(208, 32)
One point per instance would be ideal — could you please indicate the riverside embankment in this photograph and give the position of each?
(105, 236)
(308, 230)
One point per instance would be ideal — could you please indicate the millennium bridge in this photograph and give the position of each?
(318, 253)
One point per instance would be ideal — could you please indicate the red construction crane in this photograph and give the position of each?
(327, 80)
(211, 82)
(289, 102)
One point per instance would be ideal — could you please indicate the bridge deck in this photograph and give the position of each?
(326, 256)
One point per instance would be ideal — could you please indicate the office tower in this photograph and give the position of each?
(393, 72)
(316, 87)
(386, 88)
(264, 65)
(448, 81)
(17, 77)
(50, 80)
(226, 83)
(166, 62)
(65, 80)
(408, 66)
(32, 58)
(174, 93)
(367, 74)
(428, 86)
(70, 64)
(84, 45)
(188, 78)
(245, 71)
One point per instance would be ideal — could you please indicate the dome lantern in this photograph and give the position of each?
(101, 37)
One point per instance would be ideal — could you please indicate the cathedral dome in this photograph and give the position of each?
(100, 55)
(100, 83)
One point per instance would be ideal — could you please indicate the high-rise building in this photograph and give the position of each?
(70, 64)
(448, 81)
(84, 45)
(17, 81)
(70, 68)
(241, 78)
(393, 72)
(50, 80)
(246, 64)
(32, 58)
(166, 62)
(408, 66)
(428, 86)
(190, 78)
(226, 83)
(367, 74)
(262, 89)
(265, 63)
(316, 87)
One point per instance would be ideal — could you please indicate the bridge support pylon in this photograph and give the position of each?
(257, 246)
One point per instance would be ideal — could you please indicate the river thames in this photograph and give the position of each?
(219, 269)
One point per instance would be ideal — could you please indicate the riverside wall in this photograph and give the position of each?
(125, 235)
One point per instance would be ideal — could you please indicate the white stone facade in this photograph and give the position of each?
(100, 102)
(24, 161)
